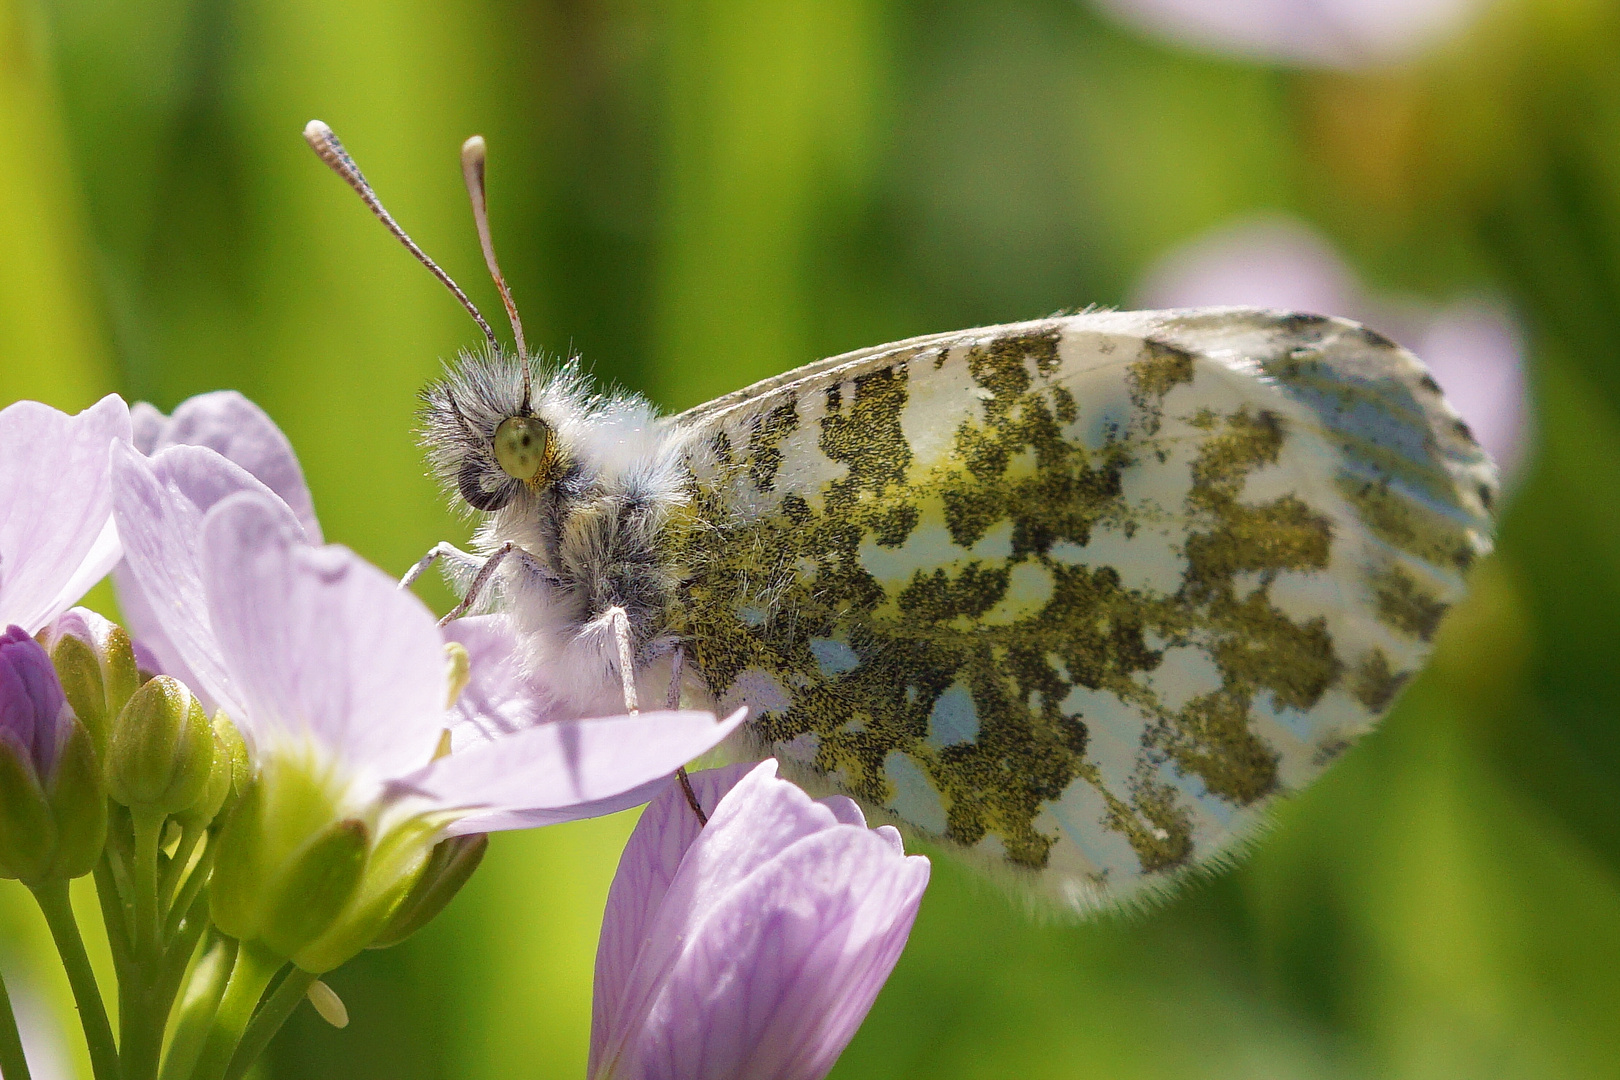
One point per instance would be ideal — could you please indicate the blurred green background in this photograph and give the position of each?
(693, 194)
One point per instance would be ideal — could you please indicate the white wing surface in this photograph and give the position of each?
(1079, 596)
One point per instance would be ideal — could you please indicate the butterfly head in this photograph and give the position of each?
(490, 430)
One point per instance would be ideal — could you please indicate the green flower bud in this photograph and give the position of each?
(161, 752)
(221, 778)
(236, 751)
(78, 800)
(298, 875)
(96, 663)
(448, 868)
(288, 863)
(27, 832)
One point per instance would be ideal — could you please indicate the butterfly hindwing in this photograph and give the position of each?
(1080, 595)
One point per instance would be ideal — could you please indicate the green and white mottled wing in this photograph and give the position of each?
(1081, 595)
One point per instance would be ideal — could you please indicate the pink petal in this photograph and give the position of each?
(500, 698)
(159, 505)
(648, 865)
(762, 952)
(568, 769)
(779, 974)
(319, 643)
(55, 506)
(240, 431)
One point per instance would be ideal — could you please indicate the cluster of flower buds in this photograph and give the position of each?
(284, 760)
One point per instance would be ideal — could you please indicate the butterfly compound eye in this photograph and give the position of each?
(520, 446)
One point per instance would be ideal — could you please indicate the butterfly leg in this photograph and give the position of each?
(676, 662)
(454, 557)
(620, 621)
(485, 572)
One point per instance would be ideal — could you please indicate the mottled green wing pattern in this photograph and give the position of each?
(1079, 596)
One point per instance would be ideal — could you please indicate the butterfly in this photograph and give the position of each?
(1077, 597)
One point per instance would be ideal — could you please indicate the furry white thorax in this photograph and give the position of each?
(592, 533)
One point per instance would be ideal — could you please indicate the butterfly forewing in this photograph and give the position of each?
(1079, 595)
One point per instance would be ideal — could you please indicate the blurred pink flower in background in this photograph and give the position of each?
(1473, 346)
(1326, 33)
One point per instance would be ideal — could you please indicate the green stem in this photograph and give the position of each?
(176, 869)
(148, 931)
(254, 968)
(268, 1020)
(114, 914)
(188, 892)
(57, 907)
(12, 1061)
(198, 1006)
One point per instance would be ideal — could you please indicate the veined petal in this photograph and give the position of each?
(55, 501)
(159, 506)
(760, 955)
(648, 865)
(318, 642)
(236, 429)
(569, 769)
(780, 972)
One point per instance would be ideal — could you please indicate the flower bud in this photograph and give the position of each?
(161, 752)
(53, 809)
(298, 874)
(448, 868)
(96, 663)
(288, 863)
(221, 777)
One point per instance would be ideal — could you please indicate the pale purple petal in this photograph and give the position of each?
(781, 972)
(568, 769)
(500, 697)
(31, 701)
(55, 506)
(1333, 33)
(319, 643)
(159, 504)
(237, 429)
(759, 956)
(646, 868)
(1476, 353)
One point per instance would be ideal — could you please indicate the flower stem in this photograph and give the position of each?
(148, 931)
(12, 1061)
(268, 1020)
(176, 870)
(197, 1008)
(251, 973)
(57, 907)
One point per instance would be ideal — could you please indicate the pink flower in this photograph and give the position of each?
(752, 948)
(56, 531)
(1331, 33)
(310, 649)
(1473, 347)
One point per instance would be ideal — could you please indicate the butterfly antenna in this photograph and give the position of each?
(473, 156)
(324, 141)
